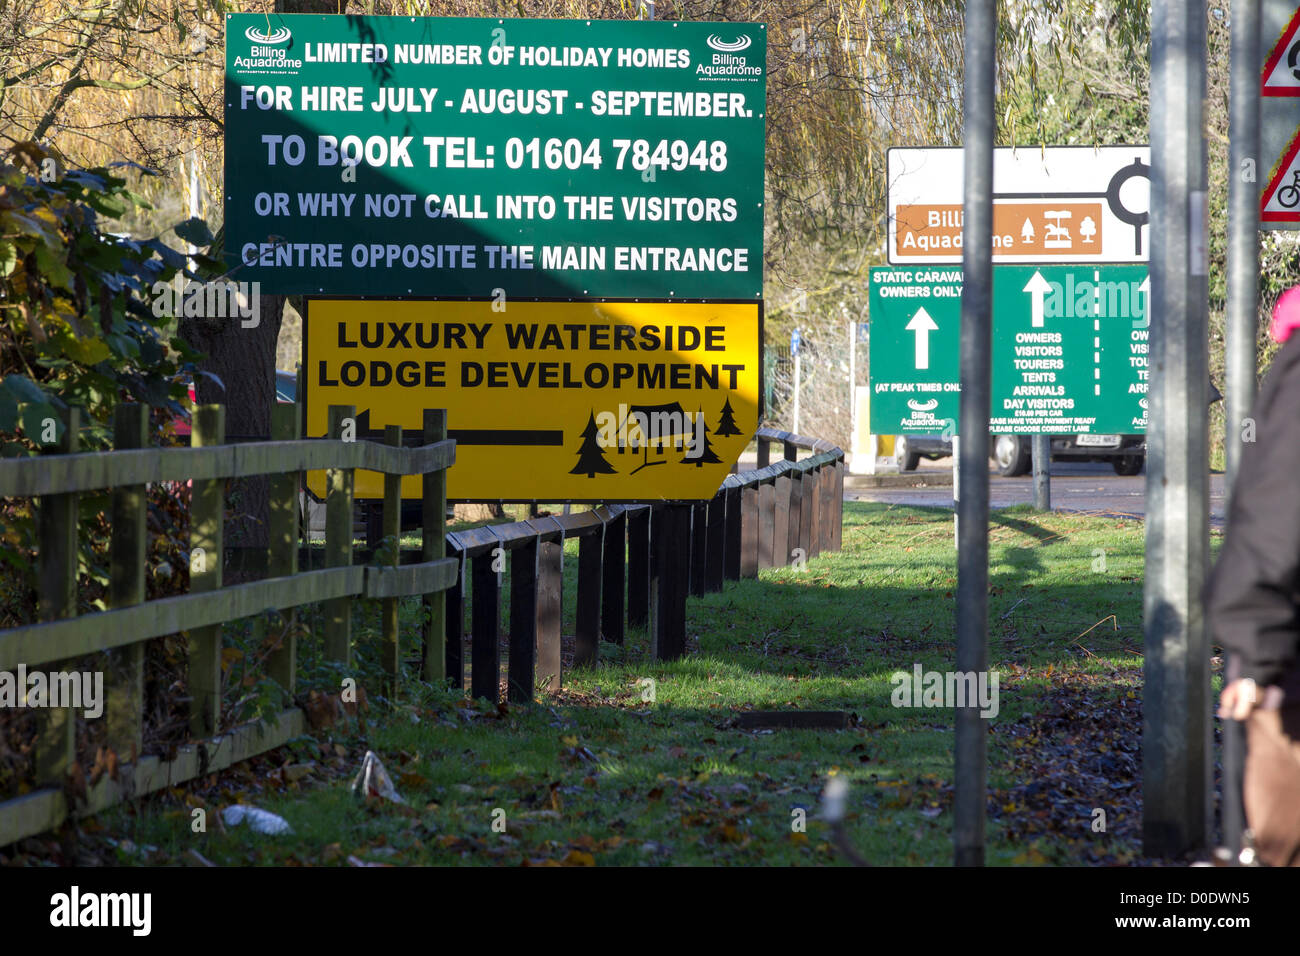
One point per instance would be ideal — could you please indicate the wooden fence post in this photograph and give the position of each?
(792, 541)
(455, 646)
(749, 532)
(282, 665)
(586, 649)
(128, 549)
(434, 547)
(699, 548)
(764, 453)
(816, 485)
(734, 536)
(57, 555)
(781, 520)
(673, 583)
(524, 571)
(207, 507)
(612, 578)
(716, 520)
(391, 649)
(485, 629)
(807, 486)
(549, 604)
(766, 523)
(791, 451)
(828, 505)
(638, 567)
(338, 540)
(837, 530)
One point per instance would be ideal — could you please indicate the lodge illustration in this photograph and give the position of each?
(657, 433)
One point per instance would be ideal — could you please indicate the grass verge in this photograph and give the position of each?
(601, 774)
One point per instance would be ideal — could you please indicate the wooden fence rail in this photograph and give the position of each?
(636, 566)
(57, 477)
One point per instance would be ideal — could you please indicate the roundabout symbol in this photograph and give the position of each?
(1135, 219)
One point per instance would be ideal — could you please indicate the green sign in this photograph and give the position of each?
(1069, 350)
(495, 158)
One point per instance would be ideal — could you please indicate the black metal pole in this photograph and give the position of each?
(973, 506)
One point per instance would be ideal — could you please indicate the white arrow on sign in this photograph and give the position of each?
(922, 325)
(1037, 287)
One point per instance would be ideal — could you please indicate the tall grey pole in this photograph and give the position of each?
(1243, 229)
(1176, 701)
(1242, 322)
(1042, 459)
(973, 506)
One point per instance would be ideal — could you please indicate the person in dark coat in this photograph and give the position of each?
(1253, 600)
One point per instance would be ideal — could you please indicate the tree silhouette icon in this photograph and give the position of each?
(591, 457)
(727, 422)
(705, 455)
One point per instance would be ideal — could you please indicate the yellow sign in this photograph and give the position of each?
(547, 401)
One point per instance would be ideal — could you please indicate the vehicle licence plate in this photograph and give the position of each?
(1098, 441)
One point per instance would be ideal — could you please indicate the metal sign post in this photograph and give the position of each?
(1176, 704)
(1241, 321)
(971, 757)
(1042, 463)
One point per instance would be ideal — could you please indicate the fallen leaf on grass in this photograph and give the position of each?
(331, 853)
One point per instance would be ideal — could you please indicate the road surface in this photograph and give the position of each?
(1076, 486)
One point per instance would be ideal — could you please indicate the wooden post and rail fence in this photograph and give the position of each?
(636, 566)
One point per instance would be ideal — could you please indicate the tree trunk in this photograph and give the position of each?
(244, 360)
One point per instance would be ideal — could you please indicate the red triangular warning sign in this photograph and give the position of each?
(1280, 201)
(1281, 74)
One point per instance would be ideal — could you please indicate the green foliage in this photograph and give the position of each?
(77, 328)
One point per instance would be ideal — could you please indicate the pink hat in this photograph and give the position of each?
(1286, 314)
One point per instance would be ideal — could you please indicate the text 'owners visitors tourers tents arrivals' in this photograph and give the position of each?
(546, 400)
(386, 156)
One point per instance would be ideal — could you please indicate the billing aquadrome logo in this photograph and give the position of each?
(728, 46)
(726, 63)
(274, 38)
(269, 52)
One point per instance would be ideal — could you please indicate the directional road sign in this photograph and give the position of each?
(1062, 204)
(1069, 350)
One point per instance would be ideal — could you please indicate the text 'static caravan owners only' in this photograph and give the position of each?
(551, 228)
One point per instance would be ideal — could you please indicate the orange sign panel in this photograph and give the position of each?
(1050, 228)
